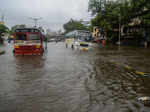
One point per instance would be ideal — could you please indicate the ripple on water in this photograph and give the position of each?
(115, 87)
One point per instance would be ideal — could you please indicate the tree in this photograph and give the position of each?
(73, 25)
(108, 14)
(96, 6)
(3, 29)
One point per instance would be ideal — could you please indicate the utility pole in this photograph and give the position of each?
(2, 18)
(35, 21)
(119, 29)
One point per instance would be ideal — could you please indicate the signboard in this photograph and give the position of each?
(27, 30)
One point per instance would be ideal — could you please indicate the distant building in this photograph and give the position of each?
(133, 27)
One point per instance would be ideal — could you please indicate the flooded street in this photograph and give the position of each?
(66, 80)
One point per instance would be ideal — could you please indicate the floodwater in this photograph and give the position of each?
(66, 80)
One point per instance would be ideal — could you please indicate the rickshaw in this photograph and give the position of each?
(28, 41)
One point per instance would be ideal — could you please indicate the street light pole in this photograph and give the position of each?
(35, 21)
(119, 30)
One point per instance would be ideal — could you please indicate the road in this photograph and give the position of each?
(65, 80)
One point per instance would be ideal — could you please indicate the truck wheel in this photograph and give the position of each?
(14, 51)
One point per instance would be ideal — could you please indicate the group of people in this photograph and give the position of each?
(102, 39)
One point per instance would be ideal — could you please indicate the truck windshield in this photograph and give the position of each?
(20, 36)
(34, 36)
(83, 38)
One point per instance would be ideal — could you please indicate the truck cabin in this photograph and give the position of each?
(28, 34)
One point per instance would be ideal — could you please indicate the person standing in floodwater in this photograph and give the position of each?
(145, 39)
(56, 41)
(103, 39)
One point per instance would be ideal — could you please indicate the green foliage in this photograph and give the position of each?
(3, 29)
(107, 18)
(73, 25)
(11, 33)
(109, 14)
(96, 6)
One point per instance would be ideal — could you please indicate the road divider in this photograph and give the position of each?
(140, 73)
(136, 71)
(146, 99)
(127, 67)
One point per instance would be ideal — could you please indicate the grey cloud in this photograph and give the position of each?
(54, 12)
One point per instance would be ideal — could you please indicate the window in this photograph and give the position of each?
(34, 37)
(20, 36)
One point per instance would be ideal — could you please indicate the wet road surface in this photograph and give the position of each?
(74, 81)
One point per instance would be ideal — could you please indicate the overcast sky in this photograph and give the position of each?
(54, 13)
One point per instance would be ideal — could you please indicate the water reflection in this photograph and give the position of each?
(114, 88)
(74, 81)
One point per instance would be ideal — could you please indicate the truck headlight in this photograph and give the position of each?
(16, 46)
(38, 46)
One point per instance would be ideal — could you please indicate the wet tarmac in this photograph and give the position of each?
(66, 80)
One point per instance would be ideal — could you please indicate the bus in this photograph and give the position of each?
(28, 41)
(78, 39)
